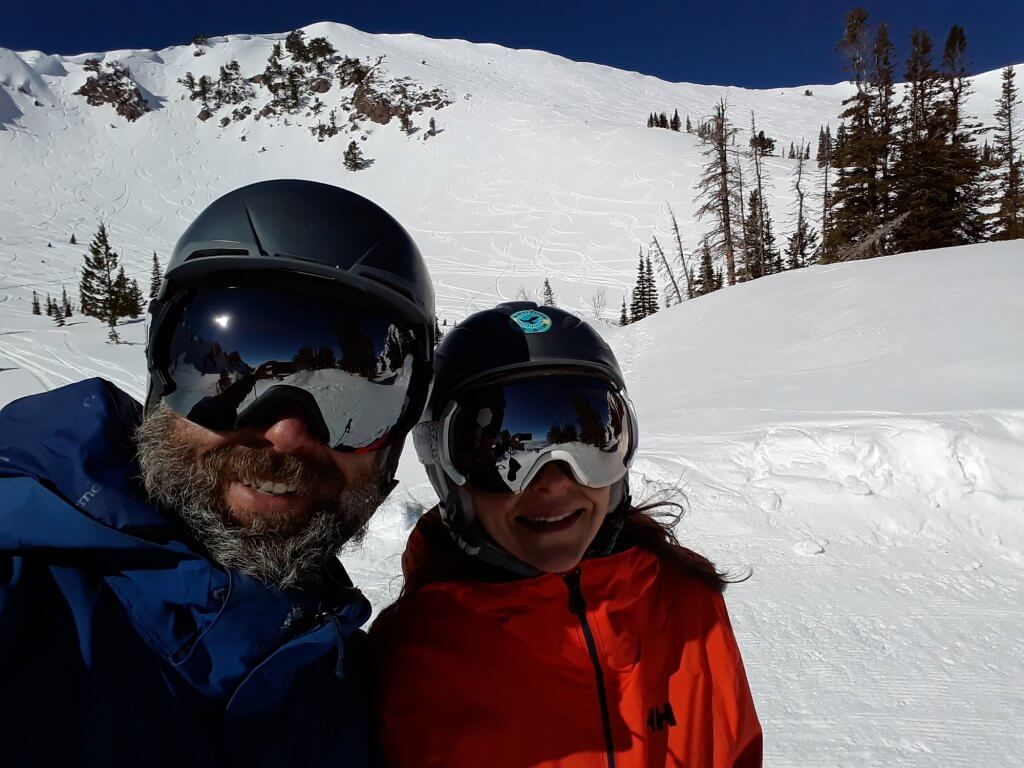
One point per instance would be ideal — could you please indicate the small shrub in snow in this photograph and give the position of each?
(354, 159)
(113, 86)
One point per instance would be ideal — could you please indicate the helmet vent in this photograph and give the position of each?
(217, 252)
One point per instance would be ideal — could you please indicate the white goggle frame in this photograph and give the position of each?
(590, 466)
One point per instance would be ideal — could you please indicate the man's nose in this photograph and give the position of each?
(290, 434)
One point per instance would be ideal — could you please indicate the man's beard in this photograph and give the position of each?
(281, 550)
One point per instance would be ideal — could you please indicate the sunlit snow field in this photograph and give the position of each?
(854, 434)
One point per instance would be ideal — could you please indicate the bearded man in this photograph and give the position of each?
(170, 589)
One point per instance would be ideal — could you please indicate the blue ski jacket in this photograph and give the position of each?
(120, 645)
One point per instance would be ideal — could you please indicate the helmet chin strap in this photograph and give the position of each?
(389, 466)
(461, 521)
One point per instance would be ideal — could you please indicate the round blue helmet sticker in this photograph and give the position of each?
(532, 321)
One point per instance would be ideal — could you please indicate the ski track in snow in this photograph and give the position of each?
(859, 455)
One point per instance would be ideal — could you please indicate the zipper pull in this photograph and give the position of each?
(577, 604)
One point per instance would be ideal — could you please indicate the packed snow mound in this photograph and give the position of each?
(44, 63)
(17, 75)
(896, 379)
(21, 88)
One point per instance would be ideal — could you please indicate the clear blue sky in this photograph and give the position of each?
(737, 42)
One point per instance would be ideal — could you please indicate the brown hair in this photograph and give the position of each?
(651, 526)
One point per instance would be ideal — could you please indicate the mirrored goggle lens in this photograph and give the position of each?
(238, 353)
(500, 435)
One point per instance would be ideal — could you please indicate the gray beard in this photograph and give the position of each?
(283, 553)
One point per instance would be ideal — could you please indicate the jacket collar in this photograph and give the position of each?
(432, 561)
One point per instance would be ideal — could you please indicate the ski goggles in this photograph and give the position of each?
(238, 355)
(497, 437)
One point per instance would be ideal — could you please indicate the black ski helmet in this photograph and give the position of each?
(300, 233)
(490, 343)
(487, 346)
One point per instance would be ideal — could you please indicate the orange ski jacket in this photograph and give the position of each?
(625, 662)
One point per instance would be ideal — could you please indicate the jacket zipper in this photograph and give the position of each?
(578, 606)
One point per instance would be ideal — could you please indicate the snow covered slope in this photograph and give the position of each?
(853, 433)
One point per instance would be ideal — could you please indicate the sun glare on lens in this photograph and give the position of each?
(222, 321)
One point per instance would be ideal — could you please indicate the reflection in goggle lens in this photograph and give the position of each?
(499, 432)
(236, 354)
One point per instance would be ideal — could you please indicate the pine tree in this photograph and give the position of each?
(295, 44)
(51, 307)
(855, 202)
(65, 303)
(964, 192)
(792, 151)
(321, 53)
(803, 240)
(35, 304)
(751, 239)
(293, 88)
(122, 291)
(772, 256)
(825, 150)
(438, 335)
(715, 187)
(1008, 220)
(637, 303)
(739, 209)
(918, 198)
(548, 299)
(73, 241)
(650, 289)
(623, 317)
(650, 120)
(354, 159)
(135, 302)
(758, 239)
(884, 117)
(708, 281)
(155, 278)
(58, 315)
(97, 291)
(204, 90)
(801, 246)
(689, 126)
(675, 124)
(937, 175)
(273, 74)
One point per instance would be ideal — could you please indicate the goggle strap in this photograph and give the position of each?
(426, 438)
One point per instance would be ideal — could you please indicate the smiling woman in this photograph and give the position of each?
(545, 620)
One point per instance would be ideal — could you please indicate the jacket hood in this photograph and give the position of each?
(70, 494)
